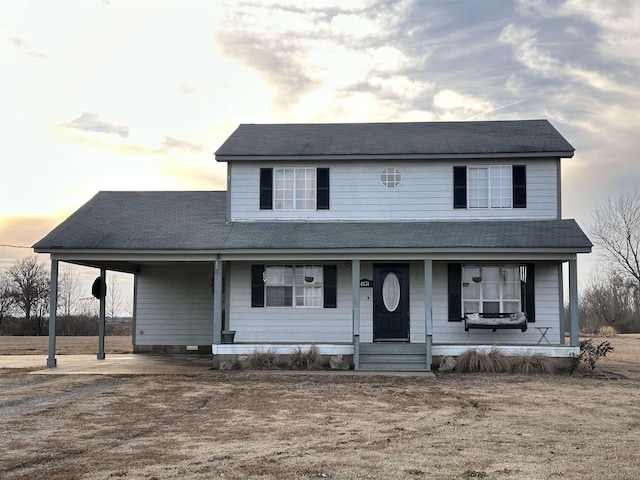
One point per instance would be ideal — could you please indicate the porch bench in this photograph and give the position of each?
(495, 321)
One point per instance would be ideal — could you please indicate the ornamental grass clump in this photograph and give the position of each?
(532, 363)
(261, 360)
(301, 359)
(476, 361)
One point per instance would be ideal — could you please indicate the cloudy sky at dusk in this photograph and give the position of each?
(110, 95)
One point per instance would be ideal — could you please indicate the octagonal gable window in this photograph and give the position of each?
(390, 177)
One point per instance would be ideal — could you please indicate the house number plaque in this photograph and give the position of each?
(364, 283)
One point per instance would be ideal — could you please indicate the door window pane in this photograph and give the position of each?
(391, 292)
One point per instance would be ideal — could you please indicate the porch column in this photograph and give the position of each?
(428, 301)
(53, 310)
(355, 291)
(574, 325)
(101, 322)
(135, 308)
(217, 302)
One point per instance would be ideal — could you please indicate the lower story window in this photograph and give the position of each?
(491, 289)
(293, 285)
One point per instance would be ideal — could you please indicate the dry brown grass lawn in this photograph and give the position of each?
(14, 345)
(244, 425)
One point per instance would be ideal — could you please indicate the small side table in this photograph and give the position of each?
(543, 334)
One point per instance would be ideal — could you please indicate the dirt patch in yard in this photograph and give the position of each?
(250, 425)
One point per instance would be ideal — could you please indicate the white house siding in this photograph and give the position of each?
(426, 192)
(287, 324)
(547, 312)
(174, 305)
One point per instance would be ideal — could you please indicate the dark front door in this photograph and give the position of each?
(390, 302)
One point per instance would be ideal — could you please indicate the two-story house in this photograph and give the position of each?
(392, 243)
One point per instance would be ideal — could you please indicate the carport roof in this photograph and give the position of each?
(196, 221)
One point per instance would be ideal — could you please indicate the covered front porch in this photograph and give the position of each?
(430, 332)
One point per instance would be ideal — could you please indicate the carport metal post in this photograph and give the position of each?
(103, 294)
(53, 307)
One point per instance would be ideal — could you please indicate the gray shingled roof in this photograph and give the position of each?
(516, 137)
(195, 221)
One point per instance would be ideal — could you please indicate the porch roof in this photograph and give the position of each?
(479, 139)
(195, 221)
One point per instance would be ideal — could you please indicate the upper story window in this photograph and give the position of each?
(303, 189)
(294, 189)
(390, 177)
(492, 186)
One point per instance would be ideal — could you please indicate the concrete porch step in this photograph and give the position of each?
(393, 356)
(389, 366)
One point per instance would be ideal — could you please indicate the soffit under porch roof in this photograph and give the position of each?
(519, 138)
(194, 222)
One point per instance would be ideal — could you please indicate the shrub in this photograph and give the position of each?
(301, 359)
(532, 363)
(261, 360)
(475, 361)
(590, 354)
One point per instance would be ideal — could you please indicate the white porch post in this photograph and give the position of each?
(217, 302)
(101, 322)
(53, 310)
(355, 291)
(428, 301)
(573, 303)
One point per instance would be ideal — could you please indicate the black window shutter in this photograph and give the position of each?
(266, 188)
(529, 294)
(455, 291)
(330, 275)
(322, 192)
(519, 173)
(459, 187)
(257, 285)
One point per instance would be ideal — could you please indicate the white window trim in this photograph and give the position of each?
(319, 285)
(489, 206)
(501, 299)
(294, 170)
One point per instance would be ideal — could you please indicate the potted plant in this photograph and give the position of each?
(228, 336)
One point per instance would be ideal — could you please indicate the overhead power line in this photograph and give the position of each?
(13, 246)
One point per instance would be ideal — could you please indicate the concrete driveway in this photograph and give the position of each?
(113, 364)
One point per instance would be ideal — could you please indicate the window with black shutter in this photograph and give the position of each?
(455, 291)
(529, 294)
(302, 286)
(330, 286)
(266, 188)
(459, 187)
(519, 186)
(322, 191)
(257, 285)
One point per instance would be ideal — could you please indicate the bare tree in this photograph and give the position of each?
(608, 299)
(113, 300)
(6, 297)
(30, 291)
(616, 230)
(68, 291)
